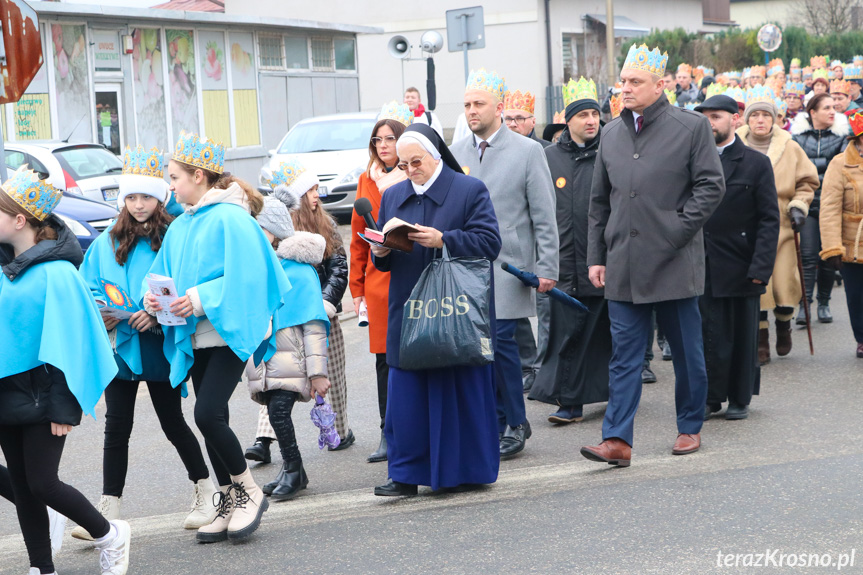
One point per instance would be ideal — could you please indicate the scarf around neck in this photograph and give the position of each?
(385, 179)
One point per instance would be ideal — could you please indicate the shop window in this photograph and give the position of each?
(214, 88)
(148, 79)
(270, 50)
(322, 54)
(183, 81)
(71, 81)
(245, 90)
(297, 52)
(345, 54)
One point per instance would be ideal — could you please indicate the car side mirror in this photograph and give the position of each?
(271, 153)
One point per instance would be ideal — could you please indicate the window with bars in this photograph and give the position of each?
(322, 54)
(270, 49)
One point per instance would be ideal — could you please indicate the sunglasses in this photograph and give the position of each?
(413, 163)
(388, 139)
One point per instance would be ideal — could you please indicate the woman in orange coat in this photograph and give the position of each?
(370, 287)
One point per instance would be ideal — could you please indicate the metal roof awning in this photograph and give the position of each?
(623, 26)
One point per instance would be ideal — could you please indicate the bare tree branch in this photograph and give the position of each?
(823, 17)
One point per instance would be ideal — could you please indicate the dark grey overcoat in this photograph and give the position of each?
(651, 195)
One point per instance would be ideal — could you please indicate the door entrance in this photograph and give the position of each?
(108, 124)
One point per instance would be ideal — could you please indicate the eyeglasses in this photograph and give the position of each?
(414, 163)
(376, 141)
(518, 120)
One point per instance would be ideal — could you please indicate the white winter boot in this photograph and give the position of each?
(249, 504)
(57, 527)
(218, 529)
(204, 505)
(114, 549)
(109, 507)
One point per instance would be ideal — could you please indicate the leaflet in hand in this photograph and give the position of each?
(117, 303)
(393, 236)
(165, 291)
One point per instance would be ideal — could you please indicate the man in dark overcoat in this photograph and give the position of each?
(740, 241)
(657, 179)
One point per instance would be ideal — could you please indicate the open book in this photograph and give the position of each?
(393, 236)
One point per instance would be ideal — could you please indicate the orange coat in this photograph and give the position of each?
(365, 279)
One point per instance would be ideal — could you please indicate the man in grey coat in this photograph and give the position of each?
(516, 174)
(657, 179)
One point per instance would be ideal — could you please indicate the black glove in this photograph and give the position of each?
(798, 218)
(834, 263)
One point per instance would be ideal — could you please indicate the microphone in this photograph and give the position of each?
(363, 208)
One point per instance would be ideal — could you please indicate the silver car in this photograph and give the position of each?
(336, 148)
(87, 170)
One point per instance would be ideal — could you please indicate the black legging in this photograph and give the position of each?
(33, 456)
(215, 375)
(383, 372)
(120, 398)
(280, 403)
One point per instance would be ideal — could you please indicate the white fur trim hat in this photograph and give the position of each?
(148, 185)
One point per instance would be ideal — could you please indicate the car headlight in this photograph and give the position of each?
(77, 228)
(353, 176)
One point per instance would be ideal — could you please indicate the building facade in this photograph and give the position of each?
(126, 76)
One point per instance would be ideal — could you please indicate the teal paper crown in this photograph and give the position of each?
(286, 174)
(489, 82)
(640, 58)
(853, 73)
(759, 94)
(781, 106)
(140, 162)
(737, 93)
(398, 112)
(691, 105)
(775, 70)
(796, 88)
(204, 153)
(746, 72)
(36, 196)
(734, 74)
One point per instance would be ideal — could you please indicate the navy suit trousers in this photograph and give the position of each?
(507, 377)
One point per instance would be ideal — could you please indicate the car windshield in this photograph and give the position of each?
(88, 162)
(328, 136)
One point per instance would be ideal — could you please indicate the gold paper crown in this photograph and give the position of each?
(558, 118)
(581, 90)
(714, 90)
(517, 101)
(140, 162)
(36, 196)
(818, 61)
(685, 68)
(487, 82)
(651, 61)
(840, 87)
(776, 62)
(757, 71)
(204, 153)
(398, 112)
(615, 103)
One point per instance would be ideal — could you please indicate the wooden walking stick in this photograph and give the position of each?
(803, 287)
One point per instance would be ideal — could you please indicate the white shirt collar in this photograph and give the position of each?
(421, 189)
(721, 149)
(477, 140)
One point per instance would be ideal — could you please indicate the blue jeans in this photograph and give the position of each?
(507, 377)
(631, 324)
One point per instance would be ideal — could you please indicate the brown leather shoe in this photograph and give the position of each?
(613, 451)
(763, 346)
(783, 337)
(686, 443)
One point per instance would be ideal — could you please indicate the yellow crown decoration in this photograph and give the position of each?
(199, 152)
(840, 87)
(714, 90)
(36, 196)
(672, 97)
(651, 61)
(760, 71)
(615, 104)
(795, 63)
(558, 118)
(818, 61)
(820, 73)
(489, 82)
(525, 102)
(582, 90)
(686, 68)
(140, 162)
(776, 63)
(398, 112)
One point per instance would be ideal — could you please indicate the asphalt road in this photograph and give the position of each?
(785, 481)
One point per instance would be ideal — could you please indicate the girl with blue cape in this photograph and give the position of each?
(232, 284)
(114, 268)
(46, 378)
(298, 369)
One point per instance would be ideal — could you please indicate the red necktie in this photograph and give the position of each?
(638, 123)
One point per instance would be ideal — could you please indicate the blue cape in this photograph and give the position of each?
(305, 302)
(222, 251)
(56, 321)
(99, 262)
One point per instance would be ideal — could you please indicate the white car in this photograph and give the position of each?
(87, 170)
(336, 148)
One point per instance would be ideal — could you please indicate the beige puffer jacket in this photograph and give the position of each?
(841, 215)
(301, 351)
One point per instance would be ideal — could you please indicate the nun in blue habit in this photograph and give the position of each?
(441, 424)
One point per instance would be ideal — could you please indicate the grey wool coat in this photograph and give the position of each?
(651, 195)
(516, 174)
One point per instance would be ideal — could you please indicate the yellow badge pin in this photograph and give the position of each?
(561, 182)
(466, 170)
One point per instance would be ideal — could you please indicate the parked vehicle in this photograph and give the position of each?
(87, 170)
(336, 147)
(86, 218)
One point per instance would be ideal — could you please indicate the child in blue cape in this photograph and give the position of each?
(298, 369)
(231, 285)
(123, 256)
(45, 379)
